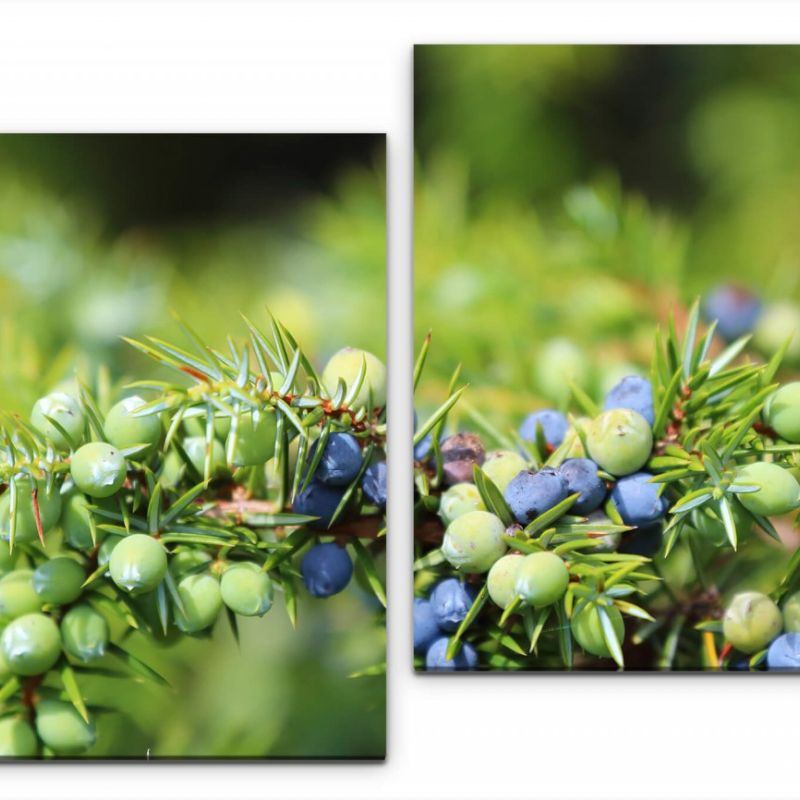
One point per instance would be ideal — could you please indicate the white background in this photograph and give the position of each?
(347, 66)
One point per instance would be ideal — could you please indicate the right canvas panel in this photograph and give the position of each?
(607, 403)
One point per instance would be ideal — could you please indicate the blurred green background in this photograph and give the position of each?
(105, 235)
(568, 197)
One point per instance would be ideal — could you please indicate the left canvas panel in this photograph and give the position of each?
(192, 439)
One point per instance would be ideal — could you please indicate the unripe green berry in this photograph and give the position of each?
(49, 503)
(619, 441)
(572, 446)
(587, 628)
(782, 412)
(106, 549)
(17, 739)
(5, 668)
(195, 449)
(123, 429)
(17, 595)
(172, 469)
(186, 560)
(138, 563)
(559, 363)
(84, 633)
(246, 589)
(59, 581)
(74, 521)
(7, 561)
(751, 621)
(31, 644)
(98, 469)
(777, 323)
(778, 493)
(502, 578)
(255, 439)
(346, 364)
(712, 529)
(458, 500)
(473, 542)
(67, 412)
(196, 425)
(791, 613)
(63, 729)
(542, 579)
(202, 602)
(502, 466)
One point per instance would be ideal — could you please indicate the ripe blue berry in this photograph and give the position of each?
(98, 469)
(619, 441)
(465, 659)
(778, 490)
(553, 423)
(374, 484)
(424, 449)
(784, 652)
(735, 309)
(124, 429)
(450, 601)
(634, 393)
(474, 541)
(532, 493)
(318, 500)
(340, 461)
(581, 476)
(751, 621)
(645, 541)
(326, 569)
(426, 628)
(638, 500)
(460, 452)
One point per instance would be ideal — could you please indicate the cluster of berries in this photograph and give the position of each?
(594, 470)
(51, 601)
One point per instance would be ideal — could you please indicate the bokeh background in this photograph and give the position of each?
(569, 197)
(106, 235)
